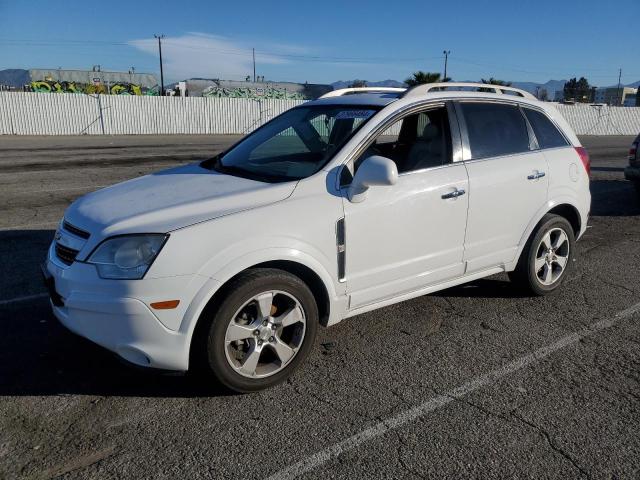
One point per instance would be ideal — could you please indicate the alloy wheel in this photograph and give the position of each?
(265, 334)
(552, 256)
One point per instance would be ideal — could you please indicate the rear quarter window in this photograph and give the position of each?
(546, 132)
(495, 129)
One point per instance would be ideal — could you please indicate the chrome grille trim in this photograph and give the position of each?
(78, 232)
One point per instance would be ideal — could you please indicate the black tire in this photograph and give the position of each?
(525, 275)
(240, 290)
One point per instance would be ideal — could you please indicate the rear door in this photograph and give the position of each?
(508, 181)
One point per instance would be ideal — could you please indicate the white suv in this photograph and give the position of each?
(352, 202)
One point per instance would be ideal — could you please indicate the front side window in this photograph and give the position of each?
(546, 132)
(295, 144)
(495, 129)
(415, 142)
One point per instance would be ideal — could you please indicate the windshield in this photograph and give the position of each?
(295, 144)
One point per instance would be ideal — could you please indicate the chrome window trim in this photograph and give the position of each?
(533, 140)
(429, 169)
(485, 159)
(457, 148)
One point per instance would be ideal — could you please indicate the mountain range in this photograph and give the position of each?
(551, 86)
(18, 77)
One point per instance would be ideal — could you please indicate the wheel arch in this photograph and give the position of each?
(564, 208)
(214, 292)
(571, 214)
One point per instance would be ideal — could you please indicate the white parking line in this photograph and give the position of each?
(314, 461)
(23, 299)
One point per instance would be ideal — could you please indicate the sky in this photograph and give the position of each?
(322, 42)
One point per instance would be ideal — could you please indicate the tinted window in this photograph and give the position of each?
(546, 132)
(415, 142)
(495, 129)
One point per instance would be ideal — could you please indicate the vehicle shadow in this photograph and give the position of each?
(38, 356)
(497, 286)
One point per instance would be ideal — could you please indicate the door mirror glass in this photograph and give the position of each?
(374, 170)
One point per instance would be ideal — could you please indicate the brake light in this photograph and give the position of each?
(584, 156)
(633, 151)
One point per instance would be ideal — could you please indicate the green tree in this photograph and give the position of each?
(420, 78)
(358, 84)
(578, 91)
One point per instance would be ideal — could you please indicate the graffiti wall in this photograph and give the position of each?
(255, 90)
(53, 86)
(239, 92)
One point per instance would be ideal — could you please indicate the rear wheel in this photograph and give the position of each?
(262, 331)
(547, 256)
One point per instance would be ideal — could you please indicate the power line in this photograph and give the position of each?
(249, 53)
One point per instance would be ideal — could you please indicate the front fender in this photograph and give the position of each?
(220, 270)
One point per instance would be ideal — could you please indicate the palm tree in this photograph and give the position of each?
(495, 81)
(420, 77)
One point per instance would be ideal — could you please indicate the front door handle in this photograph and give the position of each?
(535, 175)
(456, 193)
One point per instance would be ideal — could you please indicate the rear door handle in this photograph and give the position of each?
(456, 193)
(536, 175)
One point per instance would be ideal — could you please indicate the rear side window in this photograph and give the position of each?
(495, 129)
(546, 132)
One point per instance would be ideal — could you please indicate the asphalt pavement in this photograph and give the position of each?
(475, 381)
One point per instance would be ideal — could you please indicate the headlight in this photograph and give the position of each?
(126, 257)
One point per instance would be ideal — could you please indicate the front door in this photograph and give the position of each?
(410, 235)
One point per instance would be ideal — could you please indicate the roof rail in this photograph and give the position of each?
(350, 91)
(425, 88)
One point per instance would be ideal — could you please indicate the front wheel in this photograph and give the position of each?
(262, 331)
(547, 256)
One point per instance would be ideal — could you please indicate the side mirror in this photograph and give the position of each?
(374, 170)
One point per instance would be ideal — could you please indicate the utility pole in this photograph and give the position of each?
(160, 37)
(619, 99)
(446, 57)
(253, 50)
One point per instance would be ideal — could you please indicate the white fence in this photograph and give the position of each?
(602, 120)
(74, 114)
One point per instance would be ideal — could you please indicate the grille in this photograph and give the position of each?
(75, 230)
(65, 254)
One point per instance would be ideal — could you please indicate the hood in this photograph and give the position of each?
(171, 199)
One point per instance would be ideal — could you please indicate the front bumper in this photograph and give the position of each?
(116, 314)
(632, 173)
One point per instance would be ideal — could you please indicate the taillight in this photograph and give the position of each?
(633, 152)
(584, 156)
